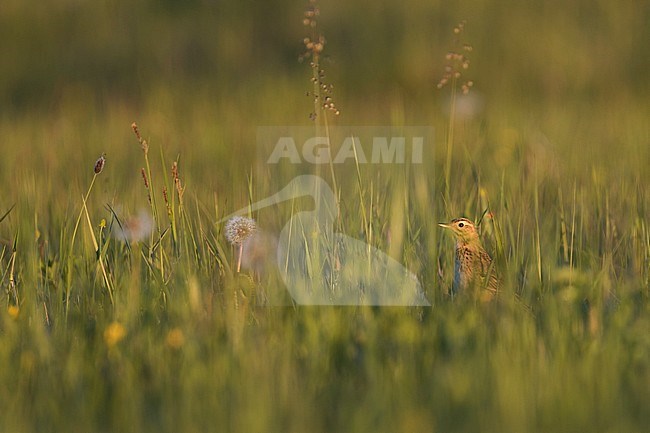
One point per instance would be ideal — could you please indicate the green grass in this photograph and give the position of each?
(163, 335)
(574, 357)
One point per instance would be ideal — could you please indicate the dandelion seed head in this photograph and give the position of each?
(259, 251)
(135, 228)
(239, 228)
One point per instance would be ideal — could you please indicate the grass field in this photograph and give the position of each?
(155, 330)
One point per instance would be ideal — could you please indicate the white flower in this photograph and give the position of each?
(135, 228)
(239, 228)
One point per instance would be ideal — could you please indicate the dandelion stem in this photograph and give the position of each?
(241, 252)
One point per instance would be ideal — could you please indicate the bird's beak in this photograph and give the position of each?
(444, 225)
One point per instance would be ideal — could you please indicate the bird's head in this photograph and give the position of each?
(463, 229)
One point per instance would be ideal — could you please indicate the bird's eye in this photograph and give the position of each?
(461, 225)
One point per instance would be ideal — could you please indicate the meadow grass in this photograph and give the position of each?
(183, 345)
(112, 321)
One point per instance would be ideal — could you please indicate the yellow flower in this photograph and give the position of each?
(13, 311)
(114, 333)
(175, 338)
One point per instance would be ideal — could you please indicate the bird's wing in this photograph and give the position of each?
(488, 271)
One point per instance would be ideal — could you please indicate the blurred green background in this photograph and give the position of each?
(200, 76)
(122, 51)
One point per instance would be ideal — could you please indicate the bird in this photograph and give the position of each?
(322, 267)
(473, 268)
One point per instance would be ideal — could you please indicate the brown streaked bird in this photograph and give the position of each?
(473, 267)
